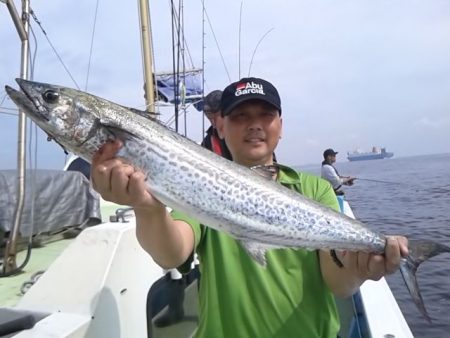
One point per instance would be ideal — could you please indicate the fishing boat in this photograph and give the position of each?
(115, 289)
(101, 283)
(377, 153)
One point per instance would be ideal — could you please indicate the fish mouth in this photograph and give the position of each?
(27, 102)
(27, 89)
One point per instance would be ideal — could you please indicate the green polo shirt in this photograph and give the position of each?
(287, 298)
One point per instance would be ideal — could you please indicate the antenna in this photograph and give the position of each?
(239, 48)
(254, 52)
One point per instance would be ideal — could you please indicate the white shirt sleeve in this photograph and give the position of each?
(331, 176)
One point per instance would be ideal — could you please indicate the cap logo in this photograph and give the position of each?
(249, 88)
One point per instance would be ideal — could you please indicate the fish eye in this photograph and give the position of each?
(50, 96)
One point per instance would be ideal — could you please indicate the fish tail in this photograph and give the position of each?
(419, 252)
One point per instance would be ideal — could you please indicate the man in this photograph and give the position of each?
(76, 163)
(293, 295)
(176, 284)
(330, 173)
(211, 109)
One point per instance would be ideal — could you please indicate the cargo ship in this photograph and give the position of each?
(376, 154)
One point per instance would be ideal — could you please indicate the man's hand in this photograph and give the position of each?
(361, 266)
(169, 242)
(348, 180)
(373, 266)
(118, 181)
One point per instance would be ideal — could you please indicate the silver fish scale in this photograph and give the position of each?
(234, 199)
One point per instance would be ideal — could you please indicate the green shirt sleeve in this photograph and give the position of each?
(197, 228)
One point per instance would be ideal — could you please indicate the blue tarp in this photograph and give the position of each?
(54, 200)
(190, 89)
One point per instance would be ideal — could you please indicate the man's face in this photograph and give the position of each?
(211, 115)
(252, 131)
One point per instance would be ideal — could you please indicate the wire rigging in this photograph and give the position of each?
(3, 100)
(10, 114)
(175, 27)
(239, 38)
(33, 57)
(203, 64)
(92, 46)
(183, 61)
(178, 49)
(53, 47)
(217, 43)
(174, 69)
(184, 40)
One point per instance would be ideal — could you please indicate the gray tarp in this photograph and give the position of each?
(61, 199)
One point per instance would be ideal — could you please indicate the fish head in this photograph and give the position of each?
(67, 115)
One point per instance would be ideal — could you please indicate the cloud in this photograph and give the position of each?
(433, 123)
(350, 74)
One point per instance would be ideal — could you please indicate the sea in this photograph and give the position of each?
(408, 196)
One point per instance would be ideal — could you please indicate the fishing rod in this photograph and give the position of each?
(441, 190)
(378, 181)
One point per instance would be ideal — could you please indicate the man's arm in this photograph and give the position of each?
(361, 266)
(358, 266)
(331, 176)
(348, 180)
(169, 242)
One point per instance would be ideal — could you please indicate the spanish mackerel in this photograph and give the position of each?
(260, 213)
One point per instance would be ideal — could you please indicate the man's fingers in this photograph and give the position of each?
(348, 258)
(101, 175)
(119, 179)
(403, 242)
(377, 267)
(136, 186)
(106, 152)
(392, 254)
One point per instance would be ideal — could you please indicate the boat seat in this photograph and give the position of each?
(14, 320)
(158, 299)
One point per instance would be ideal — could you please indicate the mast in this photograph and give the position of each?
(22, 25)
(147, 55)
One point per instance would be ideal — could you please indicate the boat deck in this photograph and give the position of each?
(41, 258)
(120, 289)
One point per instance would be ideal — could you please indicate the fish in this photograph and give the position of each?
(260, 213)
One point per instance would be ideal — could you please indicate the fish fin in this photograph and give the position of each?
(256, 250)
(146, 114)
(120, 133)
(419, 252)
(266, 171)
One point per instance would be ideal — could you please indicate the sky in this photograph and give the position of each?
(351, 74)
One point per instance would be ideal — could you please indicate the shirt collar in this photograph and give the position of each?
(288, 175)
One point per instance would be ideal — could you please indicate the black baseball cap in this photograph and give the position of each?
(329, 152)
(249, 88)
(211, 102)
